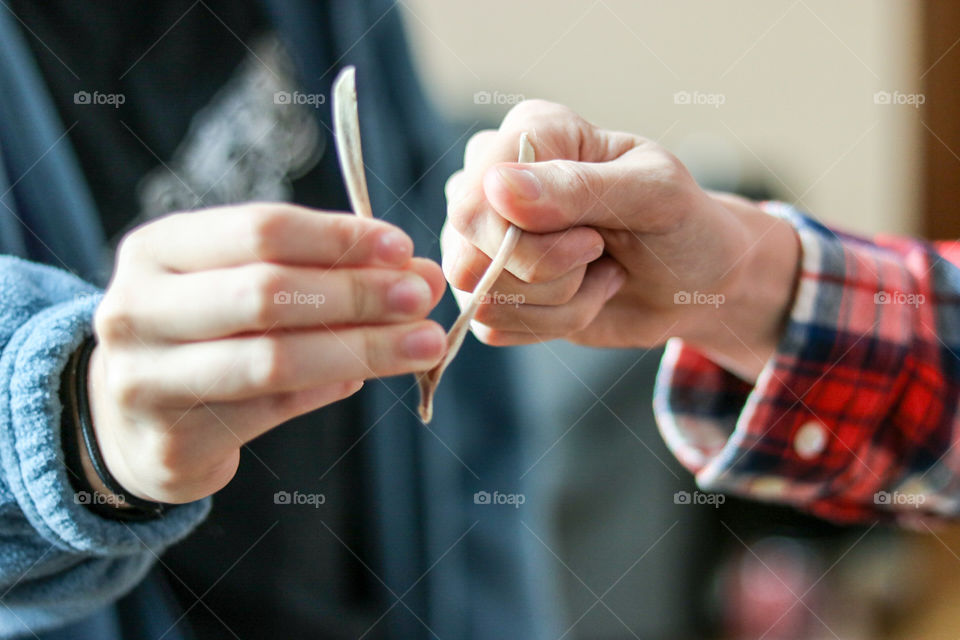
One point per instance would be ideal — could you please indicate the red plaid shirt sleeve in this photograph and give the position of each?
(855, 417)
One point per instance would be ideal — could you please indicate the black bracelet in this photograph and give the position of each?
(129, 507)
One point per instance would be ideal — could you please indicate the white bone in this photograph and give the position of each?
(346, 124)
(429, 380)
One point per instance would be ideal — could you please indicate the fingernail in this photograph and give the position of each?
(591, 255)
(394, 247)
(615, 283)
(425, 343)
(408, 295)
(524, 184)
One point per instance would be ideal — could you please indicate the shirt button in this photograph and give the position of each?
(810, 440)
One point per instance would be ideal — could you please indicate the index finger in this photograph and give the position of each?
(268, 232)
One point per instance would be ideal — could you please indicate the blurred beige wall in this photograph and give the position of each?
(796, 80)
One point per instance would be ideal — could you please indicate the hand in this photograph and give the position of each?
(220, 324)
(617, 232)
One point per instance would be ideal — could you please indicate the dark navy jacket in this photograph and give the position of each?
(65, 572)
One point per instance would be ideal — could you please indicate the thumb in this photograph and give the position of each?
(544, 197)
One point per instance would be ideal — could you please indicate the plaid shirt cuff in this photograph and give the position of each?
(853, 418)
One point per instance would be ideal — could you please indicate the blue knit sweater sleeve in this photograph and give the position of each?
(58, 561)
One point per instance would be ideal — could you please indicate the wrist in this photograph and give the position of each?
(99, 492)
(89, 489)
(94, 484)
(744, 331)
(101, 415)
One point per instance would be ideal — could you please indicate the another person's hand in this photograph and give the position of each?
(221, 324)
(622, 247)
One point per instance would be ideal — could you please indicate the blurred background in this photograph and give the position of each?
(847, 109)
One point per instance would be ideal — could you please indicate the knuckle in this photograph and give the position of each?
(167, 480)
(476, 142)
(584, 190)
(347, 231)
(132, 246)
(669, 169)
(449, 239)
(451, 186)
(112, 321)
(665, 170)
(498, 316)
(490, 336)
(483, 333)
(560, 128)
(464, 215)
(262, 288)
(125, 382)
(272, 365)
(573, 174)
(176, 465)
(281, 404)
(266, 231)
(374, 352)
(569, 288)
(486, 314)
(361, 303)
(539, 272)
(466, 273)
(535, 108)
(580, 318)
(171, 453)
(216, 476)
